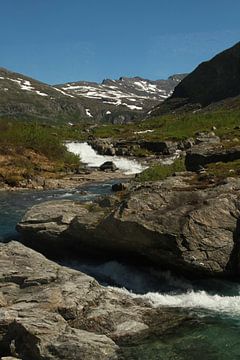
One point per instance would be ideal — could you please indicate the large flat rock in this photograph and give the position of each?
(170, 224)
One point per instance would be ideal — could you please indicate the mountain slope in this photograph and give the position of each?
(130, 92)
(124, 99)
(116, 101)
(22, 96)
(211, 82)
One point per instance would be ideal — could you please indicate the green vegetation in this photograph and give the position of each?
(222, 170)
(45, 140)
(161, 172)
(175, 126)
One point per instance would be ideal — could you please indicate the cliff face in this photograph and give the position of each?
(212, 81)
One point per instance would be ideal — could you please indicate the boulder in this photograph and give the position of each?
(207, 138)
(108, 166)
(201, 155)
(160, 147)
(120, 187)
(102, 146)
(48, 311)
(170, 224)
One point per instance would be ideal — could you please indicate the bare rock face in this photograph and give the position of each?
(201, 155)
(211, 82)
(49, 312)
(169, 223)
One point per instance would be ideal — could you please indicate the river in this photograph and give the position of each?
(215, 303)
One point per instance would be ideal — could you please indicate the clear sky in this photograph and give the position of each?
(57, 41)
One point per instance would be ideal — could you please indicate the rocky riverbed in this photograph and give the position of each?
(48, 311)
(170, 224)
(191, 227)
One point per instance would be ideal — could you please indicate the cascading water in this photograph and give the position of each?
(163, 289)
(216, 303)
(89, 156)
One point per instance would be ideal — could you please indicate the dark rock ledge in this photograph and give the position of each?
(49, 312)
(169, 224)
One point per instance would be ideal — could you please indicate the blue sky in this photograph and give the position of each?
(57, 41)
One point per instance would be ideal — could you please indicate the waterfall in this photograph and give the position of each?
(89, 156)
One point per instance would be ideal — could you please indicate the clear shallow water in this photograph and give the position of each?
(13, 205)
(209, 340)
(214, 303)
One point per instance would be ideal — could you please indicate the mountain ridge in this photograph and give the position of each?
(23, 96)
(212, 82)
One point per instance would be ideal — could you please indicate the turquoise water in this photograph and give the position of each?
(213, 304)
(208, 340)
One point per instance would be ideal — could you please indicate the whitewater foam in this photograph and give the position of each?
(161, 288)
(201, 300)
(89, 156)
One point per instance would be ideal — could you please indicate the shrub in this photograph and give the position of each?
(161, 172)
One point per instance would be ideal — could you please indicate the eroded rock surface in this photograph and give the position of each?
(170, 223)
(51, 312)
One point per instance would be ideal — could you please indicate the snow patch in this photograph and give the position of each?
(63, 92)
(143, 132)
(88, 112)
(132, 107)
(40, 93)
(27, 86)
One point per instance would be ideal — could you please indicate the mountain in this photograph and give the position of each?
(115, 101)
(134, 94)
(210, 83)
(22, 96)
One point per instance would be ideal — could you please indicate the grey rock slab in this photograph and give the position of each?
(48, 311)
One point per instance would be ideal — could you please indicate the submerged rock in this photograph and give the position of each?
(51, 312)
(170, 224)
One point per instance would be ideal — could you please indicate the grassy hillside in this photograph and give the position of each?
(30, 149)
(176, 126)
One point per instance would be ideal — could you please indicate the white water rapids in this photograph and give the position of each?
(196, 300)
(166, 290)
(92, 159)
(176, 292)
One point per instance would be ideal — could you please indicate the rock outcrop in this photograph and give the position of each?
(130, 148)
(49, 312)
(170, 224)
(201, 155)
